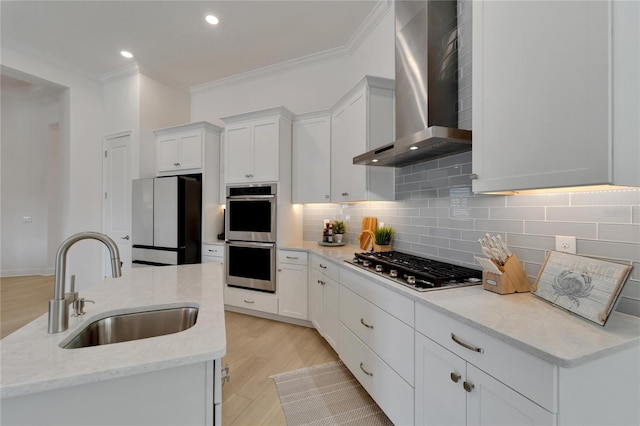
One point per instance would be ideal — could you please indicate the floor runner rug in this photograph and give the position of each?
(326, 394)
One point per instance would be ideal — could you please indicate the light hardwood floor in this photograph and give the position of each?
(23, 300)
(256, 349)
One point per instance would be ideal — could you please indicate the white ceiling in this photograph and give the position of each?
(170, 39)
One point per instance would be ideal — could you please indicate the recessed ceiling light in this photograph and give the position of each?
(126, 54)
(413, 148)
(212, 19)
(375, 160)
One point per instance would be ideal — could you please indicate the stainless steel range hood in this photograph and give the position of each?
(426, 86)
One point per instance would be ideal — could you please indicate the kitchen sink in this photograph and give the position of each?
(134, 326)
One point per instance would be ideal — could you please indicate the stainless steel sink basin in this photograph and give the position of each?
(134, 326)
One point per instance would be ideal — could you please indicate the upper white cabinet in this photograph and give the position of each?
(257, 147)
(362, 120)
(556, 94)
(181, 149)
(312, 158)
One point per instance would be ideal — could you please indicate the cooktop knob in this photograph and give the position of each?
(378, 268)
(366, 263)
(356, 260)
(393, 273)
(411, 279)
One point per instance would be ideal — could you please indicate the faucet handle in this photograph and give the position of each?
(78, 306)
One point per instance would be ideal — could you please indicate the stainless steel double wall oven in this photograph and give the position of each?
(250, 231)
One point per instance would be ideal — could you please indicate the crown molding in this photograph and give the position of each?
(120, 73)
(381, 8)
(8, 43)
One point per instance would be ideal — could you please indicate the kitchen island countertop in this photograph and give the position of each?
(32, 360)
(521, 320)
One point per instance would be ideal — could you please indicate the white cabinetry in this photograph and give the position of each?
(185, 395)
(545, 115)
(213, 253)
(292, 284)
(257, 147)
(251, 299)
(377, 344)
(181, 149)
(362, 120)
(461, 369)
(324, 299)
(449, 391)
(312, 158)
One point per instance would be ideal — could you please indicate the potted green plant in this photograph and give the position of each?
(338, 230)
(383, 236)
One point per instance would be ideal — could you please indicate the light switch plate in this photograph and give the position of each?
(566, 244)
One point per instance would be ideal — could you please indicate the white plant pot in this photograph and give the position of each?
(338, 238)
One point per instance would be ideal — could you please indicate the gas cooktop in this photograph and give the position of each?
(418, 273)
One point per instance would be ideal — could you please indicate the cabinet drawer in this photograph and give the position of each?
(328, 268)
(251, 300)
(216, 250)
(396, 304)
(530, 376)
(387, 336)
(387, 388)
(292, 257)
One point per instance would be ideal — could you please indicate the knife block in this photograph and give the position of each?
(512, 280)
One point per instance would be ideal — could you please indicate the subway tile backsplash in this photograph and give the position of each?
(436, 215)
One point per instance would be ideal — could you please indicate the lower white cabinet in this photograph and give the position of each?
(251, 299)
(292, 285)
(450, 391)
(324, 299)
(385, 386)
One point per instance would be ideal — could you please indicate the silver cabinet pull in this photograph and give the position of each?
(365, 371)
(293, 257)
(249, 301)
(126, 237)
(176, 164)
(365, 324)
(326, 196)
(468, 386)
(466, 345)
(455, 377)
(320, 282)
(279, 270)
(322, 266)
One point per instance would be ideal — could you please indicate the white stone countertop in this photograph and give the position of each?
(521, 320)
(32, 360)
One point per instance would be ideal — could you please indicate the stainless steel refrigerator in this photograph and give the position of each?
(167, 222)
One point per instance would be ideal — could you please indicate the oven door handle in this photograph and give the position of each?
(250, 244)
(251, 197)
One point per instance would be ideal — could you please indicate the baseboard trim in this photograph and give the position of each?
(7, 273)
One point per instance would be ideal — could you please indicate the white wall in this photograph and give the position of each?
(27, 141)
(81, 131)
(305, 88)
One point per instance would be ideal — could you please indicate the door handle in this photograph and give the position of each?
(126, 237)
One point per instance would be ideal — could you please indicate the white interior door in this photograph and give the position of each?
(117, 196)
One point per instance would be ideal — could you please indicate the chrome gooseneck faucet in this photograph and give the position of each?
(59, 305)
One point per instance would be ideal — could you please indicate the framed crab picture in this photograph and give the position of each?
(585, 286)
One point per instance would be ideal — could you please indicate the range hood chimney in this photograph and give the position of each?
(426, 86)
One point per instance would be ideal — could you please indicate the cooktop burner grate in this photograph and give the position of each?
(419, 273)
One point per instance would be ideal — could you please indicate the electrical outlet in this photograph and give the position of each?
(566, 244)
(26, 219)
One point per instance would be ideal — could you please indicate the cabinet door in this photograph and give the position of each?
(331, 312)
(357, 119)
(191, 151)
(339, 157)
(316, 300)
(238, 154)
(266, 150)
(540, 109)
(167, 153)
(292, 291)
(311, 160)
(439, 375)
(490, 402)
